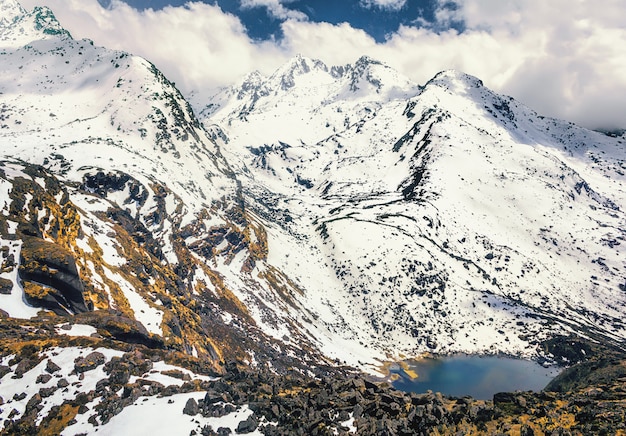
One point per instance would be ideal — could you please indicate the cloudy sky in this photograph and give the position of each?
(564, 58)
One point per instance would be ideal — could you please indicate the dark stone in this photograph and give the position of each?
(89, 362)
(4, 370)
(191, 407)
(212, 397)
(23, 367)
(93, 420)
(119, 376)
(131, 393)
(422, 399)
(247, 426)
(358, 411)
(358, 384)
(503, 398)
(43, 378)
(139, 363)
(46, 392)
(6, 286)
(121, 328)
(34, 403)
(175, 373)
(102, 385)
(52, 367)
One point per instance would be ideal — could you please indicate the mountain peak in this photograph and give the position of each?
(19, 27)
(297, 66)
(11, 7)
(367, 60)
(46, 22)
(253, 85)
(252, 80)
(10, 10)
(454, 80)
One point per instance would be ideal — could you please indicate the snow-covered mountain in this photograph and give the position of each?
(120, 215)
(115, 198)
(443, 218)
(318, 216)
(344, 208)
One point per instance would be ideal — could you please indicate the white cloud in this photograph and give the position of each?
(394, 5)
(275, 8)
(334, 44)
(199, 46)
(561, 58)
(570, 56)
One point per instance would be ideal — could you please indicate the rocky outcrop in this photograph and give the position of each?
(50, 277)
(119, 327)
(589, 398)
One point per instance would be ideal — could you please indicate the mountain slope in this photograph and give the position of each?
(445, 218)
(315, 190)
(123, 221)
(105, 162)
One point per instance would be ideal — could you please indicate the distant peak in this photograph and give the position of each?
(449, 77)
(19, 27)
(254, 77)
(364, 63)
(253, 84)
(297, 66)
(367, 60)
(304, 64)
(367, 70)
(10, 10)
(46, 22)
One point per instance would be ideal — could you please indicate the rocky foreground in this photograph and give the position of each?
(587, 398)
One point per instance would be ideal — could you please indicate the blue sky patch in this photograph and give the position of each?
(376, 21)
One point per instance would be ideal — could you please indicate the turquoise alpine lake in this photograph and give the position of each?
(477, 376)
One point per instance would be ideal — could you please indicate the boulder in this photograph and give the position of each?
(52, 367)
(6, 286)
(191, 407)
(89, 362)
(43, 378)
(248, 425)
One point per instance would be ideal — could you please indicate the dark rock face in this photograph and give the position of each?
(53, 278)
(101, 184)
(120, 327)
